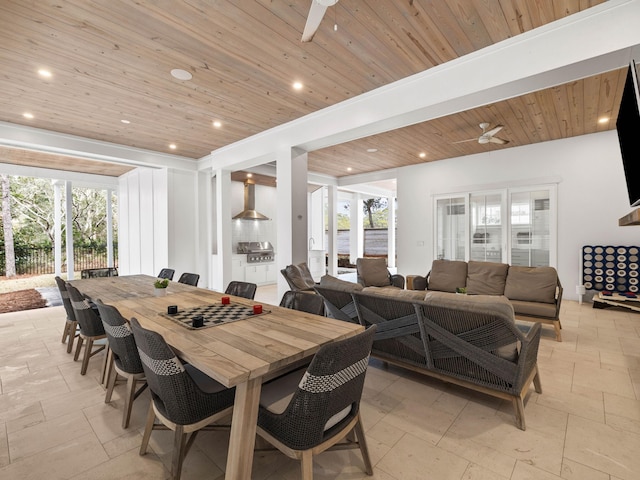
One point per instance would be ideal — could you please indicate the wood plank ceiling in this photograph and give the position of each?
(110, 61)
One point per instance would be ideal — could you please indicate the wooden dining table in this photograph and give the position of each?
(241, 353)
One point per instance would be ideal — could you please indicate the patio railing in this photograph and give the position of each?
(40, 261)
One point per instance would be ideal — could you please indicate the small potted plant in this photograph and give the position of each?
(160, 285)
(461, 290)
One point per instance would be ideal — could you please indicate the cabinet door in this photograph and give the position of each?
(256, 274)
(237, 270)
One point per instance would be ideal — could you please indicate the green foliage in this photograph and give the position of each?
(161, 283)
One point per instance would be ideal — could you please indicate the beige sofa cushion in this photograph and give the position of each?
(395, 292)
(531, 284)
(486, 278)
(337, 284)
(373, 272)
(535, 309)
(447, 275)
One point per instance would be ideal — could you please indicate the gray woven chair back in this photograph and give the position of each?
(121, 341)
(398, 333)
(99, 272)
(65, 299)
(303, 302)
(167, 273)
(189, 279)
(338, 304)
(241, 289)
(90, 323)
(174, 392)
(473, 344)
(333, 382)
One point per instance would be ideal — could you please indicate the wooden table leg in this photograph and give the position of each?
(243, 430)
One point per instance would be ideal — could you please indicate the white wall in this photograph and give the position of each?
(157, 222)
(592, 196)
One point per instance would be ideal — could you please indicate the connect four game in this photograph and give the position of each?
(611, 269)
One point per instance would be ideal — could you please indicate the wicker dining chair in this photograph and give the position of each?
(70, 331)
(241, 289)
(324, 411)
(183, 398)
(189, 279)
(167, 273)
(124, 359)
(303, 302)
(91, 329)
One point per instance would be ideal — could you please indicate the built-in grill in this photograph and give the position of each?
(257, 252)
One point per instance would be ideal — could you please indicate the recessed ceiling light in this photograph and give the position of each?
(44, 73)
(297, 85)
(372, 150)
(181, 74)
(217, 123)
(28, 115)
(422, 155)
(349, 169)
(603, 120)
(126, 122)
(172, 146)
(249, 175)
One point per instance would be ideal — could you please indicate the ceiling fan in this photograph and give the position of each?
(316, 13)
(487, 136)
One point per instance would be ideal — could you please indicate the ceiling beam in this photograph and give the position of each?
(596, 40)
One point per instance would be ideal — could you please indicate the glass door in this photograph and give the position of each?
(451, 231)
(486, 227)
(530, 228)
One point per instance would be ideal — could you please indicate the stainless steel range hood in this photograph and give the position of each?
(249, 212)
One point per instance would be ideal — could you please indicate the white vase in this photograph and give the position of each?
(159, 292)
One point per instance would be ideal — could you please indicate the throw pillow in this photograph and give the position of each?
(447, 275)
(486, 278)
(373, 272)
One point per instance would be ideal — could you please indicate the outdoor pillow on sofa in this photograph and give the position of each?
(532, 284)
(373, 272)
(447, 275)
(486, 278)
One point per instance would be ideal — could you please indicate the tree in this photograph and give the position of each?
(34, 210)
(372, 205)
(7, 225)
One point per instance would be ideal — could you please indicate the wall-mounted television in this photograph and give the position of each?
(628, 126)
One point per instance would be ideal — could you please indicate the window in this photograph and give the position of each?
(515, 226)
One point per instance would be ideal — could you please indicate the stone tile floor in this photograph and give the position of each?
(585, 425)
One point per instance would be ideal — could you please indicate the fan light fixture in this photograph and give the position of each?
(181, 74)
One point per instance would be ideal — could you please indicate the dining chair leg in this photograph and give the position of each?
(151, 418)
(179, 443)
(112, 377)
(73, 326)
(128, 400)
(78, 347)
(87, 356)
(105, 365)
(306, 465)
(362, 443)
(65, 331)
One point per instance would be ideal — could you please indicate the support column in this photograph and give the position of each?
(57, 227)
(332, 227)
(356, 233)
(391, 232)
(292, 233)
(69, 227)
(221, 274)
(110, 262)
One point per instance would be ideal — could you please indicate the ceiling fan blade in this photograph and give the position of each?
(316, 13)
(493, 131)
(497, 140)
(464, 141)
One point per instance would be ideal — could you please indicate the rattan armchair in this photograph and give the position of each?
(324, 411)
(373, 272)
(123, 358)
(183, 398)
